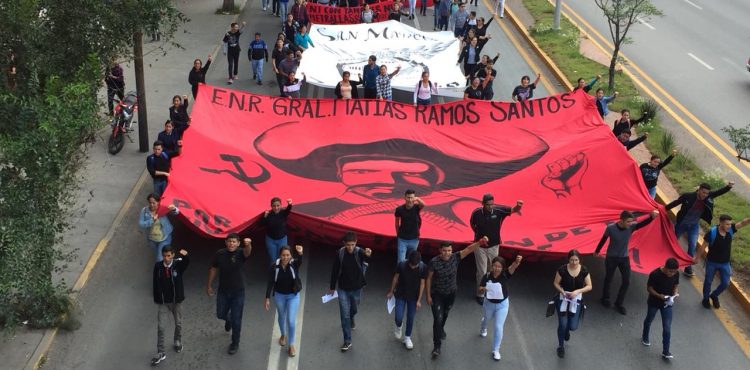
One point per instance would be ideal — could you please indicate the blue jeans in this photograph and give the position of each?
(404, 247)
(458, 31)
(666, 325)
(229, 306)
(286, 308)
(157, 246)
(348, 301)
(411, 309)
(497, 312)
(692, 235)
(283, 10)
(725, 271)
(423, 101)
(274, 246)
(566, 322)
(257, 69)
(652, 192)
(160, 185)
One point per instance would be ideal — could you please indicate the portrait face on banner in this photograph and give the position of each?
(348, 163)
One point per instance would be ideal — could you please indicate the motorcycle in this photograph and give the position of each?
(122, 122)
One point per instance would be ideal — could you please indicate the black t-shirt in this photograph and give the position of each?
(570, 283)
(488, 223)
(233, 39)
(473, 93)
(409, 279)
(662, 284)
(502, 280)
(721, 250)
(524, 93)
(411, 221)
(276, 223)
(230, 269)
(444, 274)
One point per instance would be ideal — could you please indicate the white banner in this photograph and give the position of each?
(340, 48)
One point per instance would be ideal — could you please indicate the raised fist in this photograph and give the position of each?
(565, 174)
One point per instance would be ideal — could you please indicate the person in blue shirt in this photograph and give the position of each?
(602, 102)
(302, 39)
(370, 73)
(257, 51)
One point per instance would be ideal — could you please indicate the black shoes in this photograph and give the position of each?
(227, 325)
(705, 303)
(621, 309)
(178, 346)
(567, 336)
(561, 352)
(435, 352)
(605, 302)
(161, 356)
(345, 347)
(233, 348)
(689, 271)
(715, 301)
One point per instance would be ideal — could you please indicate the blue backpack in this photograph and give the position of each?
(712, 235)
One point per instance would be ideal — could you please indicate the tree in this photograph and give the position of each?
(621, 14)
(227, 6)
(60, 52)
(740, 137)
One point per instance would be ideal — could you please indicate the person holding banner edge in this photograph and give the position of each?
(424, 90)
(383, 83)
(618, 257)
(486, 221)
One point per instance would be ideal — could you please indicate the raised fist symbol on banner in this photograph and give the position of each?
(565, 174)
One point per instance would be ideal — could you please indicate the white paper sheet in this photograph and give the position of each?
(390, 304)
(494, 290)
(329, 297)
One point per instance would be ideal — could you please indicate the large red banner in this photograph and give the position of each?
(347, 163)
(326, 14)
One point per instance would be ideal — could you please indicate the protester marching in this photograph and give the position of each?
(381, 176)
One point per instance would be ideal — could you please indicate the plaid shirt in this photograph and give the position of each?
(383, 84)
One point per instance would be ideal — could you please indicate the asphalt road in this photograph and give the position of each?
(118, 330)
(697, 53)
(119, 320)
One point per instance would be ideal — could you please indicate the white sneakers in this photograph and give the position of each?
(483, 332)
(496, 355)
(397, 331)
(408, 343)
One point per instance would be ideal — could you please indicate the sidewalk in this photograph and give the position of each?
(108, 180)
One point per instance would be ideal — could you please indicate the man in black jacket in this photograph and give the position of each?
(169, 293)
(694, 208)
(348, 272)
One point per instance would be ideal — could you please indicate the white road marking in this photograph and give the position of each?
(416, 20)
(276, 351)
(700, 61)
(732, 63)
(694, 4)
(641, 21)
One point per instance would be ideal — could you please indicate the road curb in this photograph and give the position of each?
(538, 50)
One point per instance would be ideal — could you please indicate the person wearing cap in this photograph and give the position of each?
(486, 221)
(408, 286)
(370, 73)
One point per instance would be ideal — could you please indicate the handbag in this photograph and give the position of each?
(551, 306)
